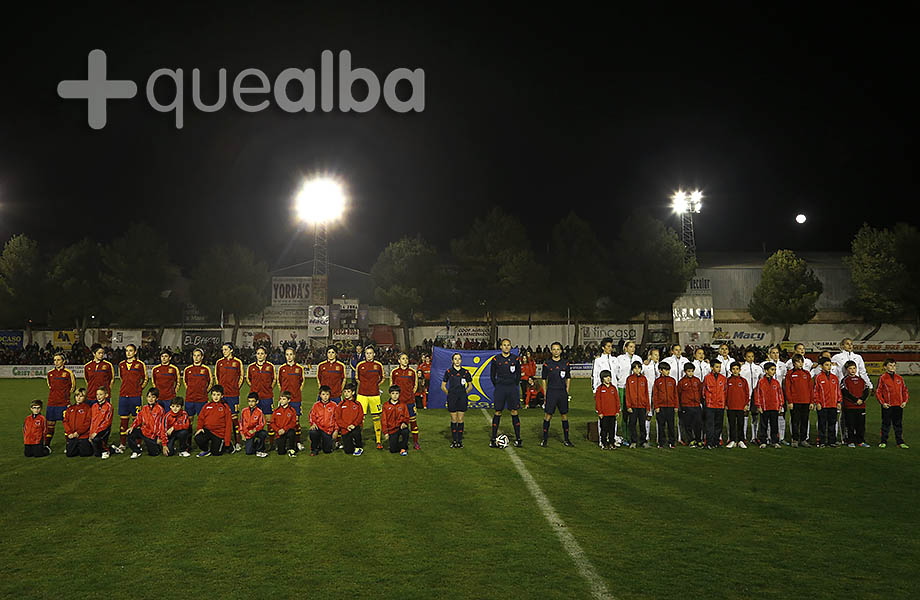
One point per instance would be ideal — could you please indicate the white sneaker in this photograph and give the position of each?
(299, 447)
(104, 456)
(237, 447)
(118, 449)
(184, 454)
(742, 445)
(135, 455)
(261, 454)
(731, 445)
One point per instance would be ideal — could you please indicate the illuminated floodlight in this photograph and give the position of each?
(320, 200)
(682, 202)
(800, 218)
(679, 202)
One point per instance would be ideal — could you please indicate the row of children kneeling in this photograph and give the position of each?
(88, 427)
(702, 406)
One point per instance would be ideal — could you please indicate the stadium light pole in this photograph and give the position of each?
(685, 205)
(320, 202)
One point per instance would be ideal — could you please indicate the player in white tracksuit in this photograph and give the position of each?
(677, 361)
(624, 369)
(752, 372)
(773, 357)
(605, 362)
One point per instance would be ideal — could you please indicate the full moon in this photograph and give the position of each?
(800, 219)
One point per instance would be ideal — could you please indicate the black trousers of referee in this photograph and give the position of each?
(637, 426)
(771, 418)
(178, 441)
(665, 418)
(351, 440)
(101, 442)
(893, 417)
(827, 426)
(320, 440)
(287, 441)
(399, 440)
(799, 422)
(208, 442)
(78, 447)
(855, 421)
(36, 450)
(714, 419)
(608, 430)
(735, 425)
(134, 443)
(257, 442)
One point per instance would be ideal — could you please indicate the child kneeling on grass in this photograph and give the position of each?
(284, 424)
(349, 419)
(175, 429)
(395, 422)
(33, 432)
(148, 426)
(215, 425)
(252, 427)
(100, 427)
(77, 419)
(322, 422)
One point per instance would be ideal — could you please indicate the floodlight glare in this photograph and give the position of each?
(679, 202)
(800, 219)
(320, 200)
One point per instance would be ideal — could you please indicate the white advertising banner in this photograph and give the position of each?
(693, 313)
(319, 321)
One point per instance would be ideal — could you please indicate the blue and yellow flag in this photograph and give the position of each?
(476, 362)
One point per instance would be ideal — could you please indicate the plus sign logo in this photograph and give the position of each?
(252, 90)
(96, 89)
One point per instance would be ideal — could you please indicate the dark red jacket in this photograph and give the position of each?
(150, 420)
(714, 390)
(737, 393)
(216, 418)
(323, 416)
(664, 392)
(77, 419)
(349, 412)
(33, 430)
(798, 386)
(637, 392)
(251, 418)
(393, 416)
(768, 395)
(102, 417)
(891, 390)
(854, 388)
(690, 391)
(826, 392)
(607, 400)
(284, 417)
(177, 421)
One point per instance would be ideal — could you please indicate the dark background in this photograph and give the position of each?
(537, 111)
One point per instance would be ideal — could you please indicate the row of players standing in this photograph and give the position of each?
(797, 383)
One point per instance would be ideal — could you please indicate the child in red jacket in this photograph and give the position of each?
(100, 427)
(252, 427)
(892, 395)
(77, 419)
(33, 432)
(737, 403)
(768, 397)
(797, 386)
(690, 395)
(284, 424)
(826, 397)
(637, 405)
(714, 391)
(175, 432)
(215, 425)
(664, 399)
(395, 421)
(855, 392)
(349, 419)
(146, 426)
(322, 422)
(607, 404)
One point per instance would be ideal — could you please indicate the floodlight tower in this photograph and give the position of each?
(685, 205)
(320, 202)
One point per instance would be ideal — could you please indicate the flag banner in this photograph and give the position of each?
(477, 362)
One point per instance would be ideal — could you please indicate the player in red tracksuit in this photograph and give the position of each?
(252, 427)
(797, 386)
(854, 392)
(715, 386)
(664, 399)
(690, 395)
(322, 423)
(148, 426)
(215, 426)
(826, 397)
(892, 395)
(768, 398)
(61, 384)
(176, 429)
(637, 406)
(737, 401)
(607, 405)
(101, 425)
(284, 426)
(349, 419)
(394, 421)
(77, 420)
(33, 432)
(424, 380)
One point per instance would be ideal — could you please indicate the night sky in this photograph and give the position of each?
(538, 112)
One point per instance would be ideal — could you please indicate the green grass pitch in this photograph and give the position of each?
(443, 523)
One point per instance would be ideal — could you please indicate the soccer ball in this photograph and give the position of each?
(502, 441)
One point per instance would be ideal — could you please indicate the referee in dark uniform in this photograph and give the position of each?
(505, 375)
(556, 380)
(457, 383)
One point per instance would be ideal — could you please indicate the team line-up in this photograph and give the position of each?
(164, 424)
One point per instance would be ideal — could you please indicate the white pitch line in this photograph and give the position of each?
(585, 568)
